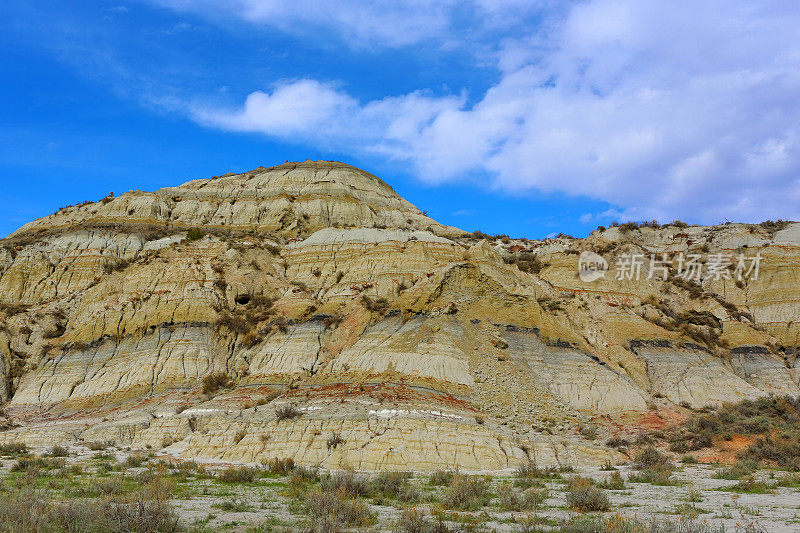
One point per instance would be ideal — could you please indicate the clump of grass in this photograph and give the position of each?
(13, 448)
(415, 520)
(649, 457)
(233, 506)
(214, 381)
(531, 470)
(441, 477)
(194, 234)
(585, 497)
(334, 440)
(345, 481)
(112, 486)
(288, 412)
(654, 467)
(655, 475)
(135, 461)
(377, 305)
(512, 499)
(281, 467)
(738, 470)
(234, 474)
(607, 466)
(751, 485)
(393, 485)
(58, 451)
(790, 480)
(618, 523)
(25, 464)
(336, 510)
(613, 482)
(467, 493)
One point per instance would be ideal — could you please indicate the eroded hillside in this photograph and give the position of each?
(308, 311)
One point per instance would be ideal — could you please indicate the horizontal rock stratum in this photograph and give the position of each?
(344, 328)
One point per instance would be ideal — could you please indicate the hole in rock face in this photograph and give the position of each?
(243, 299)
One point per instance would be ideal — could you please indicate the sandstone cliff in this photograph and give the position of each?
(345, 328)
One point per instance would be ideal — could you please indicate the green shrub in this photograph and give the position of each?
(738, 470)
(234, 474)
(441, 477)
(414, 520)
(345, 481)
(751, 485)
(135, 461)
(195, 234)
(336, 510)
(782, 450)
(467, 493)
(233, 506)
(530, 470)
(585, 497)
(58, 451)
(512, 499)
(613, 482)
(24, 464)
(773, 420)
(13, 448)
(393, 485)
(655, 475)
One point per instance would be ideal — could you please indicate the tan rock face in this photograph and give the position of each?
(314, 285)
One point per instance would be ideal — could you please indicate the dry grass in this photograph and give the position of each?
(143, 512)
(281, 467)
(512, 499)
(288, 412)
(467, 493)
(441, 477)
(585, 497)
(13, 448)
(393, 485)
(336, 510)
(237, 475)
(215, 381)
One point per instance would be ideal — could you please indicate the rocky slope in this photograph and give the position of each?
(345, 328)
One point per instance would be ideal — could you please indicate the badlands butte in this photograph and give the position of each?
(307, 311)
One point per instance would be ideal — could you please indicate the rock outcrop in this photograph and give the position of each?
(308, 311)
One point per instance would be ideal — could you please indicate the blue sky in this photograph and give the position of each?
(518, 117)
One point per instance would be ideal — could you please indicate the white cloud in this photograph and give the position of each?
(296, 109)
(392, 23)
(667, 109)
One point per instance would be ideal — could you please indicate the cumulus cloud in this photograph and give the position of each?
(666, 109)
